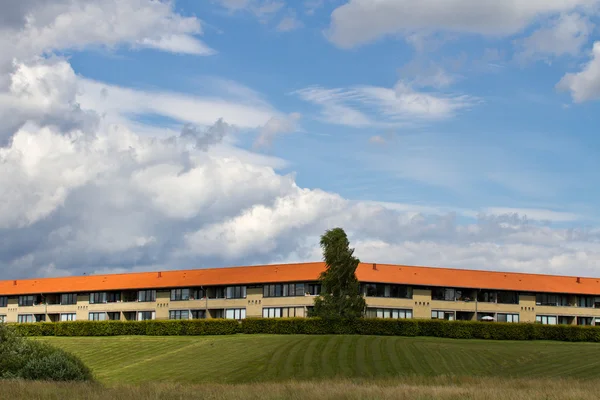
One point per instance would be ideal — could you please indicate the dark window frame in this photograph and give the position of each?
(142, 296)
(180, 294)
(68, 299)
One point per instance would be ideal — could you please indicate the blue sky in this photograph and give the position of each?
(143, 135)
(519, 143)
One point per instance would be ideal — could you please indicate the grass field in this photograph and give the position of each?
(438, 388)
(272, 358)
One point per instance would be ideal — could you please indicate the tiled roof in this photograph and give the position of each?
(384, 273)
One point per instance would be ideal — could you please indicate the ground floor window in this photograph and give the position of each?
(114, 316)
(584, 320)
(145, 315)
(179, 314)
(2, 319)
(25, 318)
(447, 315)
(546, 319)
(68, 317)
(507, 317)
(198, 314)
(283, 312)
(235, 313)
(393, 313)
(97, 316)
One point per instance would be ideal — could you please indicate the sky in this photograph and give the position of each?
(151, 135)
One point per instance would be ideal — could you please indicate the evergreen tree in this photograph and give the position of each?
(340, 294)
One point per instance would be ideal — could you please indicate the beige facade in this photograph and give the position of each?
(417, 302)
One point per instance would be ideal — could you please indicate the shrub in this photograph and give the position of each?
(129, 328)
(27, 359)
(319, 326)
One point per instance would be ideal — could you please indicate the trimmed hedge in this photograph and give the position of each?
(122, 328)
(317, 326)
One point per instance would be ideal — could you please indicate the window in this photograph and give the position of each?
(180, 294)
(507, 317)
(216, 293)
(447, 315)
(98, 298)
(2, 319)
(283, 312)
(147, 295)
(314, 289)
(198, 314)
(3, 301)
(546, 319)
(26, 301)
(388, 313)
(145, 315)
(236, 292)
(97, 316)
(68, 317)
(235, 313)
(113, 297)
(446, 294)
(68, 298)
(545, 299)
(130, 296)
(198, 294)
(381, 290)
(586, 301)
(505, 297)
(179, 314)
(283, 290)
(105, 297)
(25, 318)
(487, 296)
(113, 316)
(584, 320)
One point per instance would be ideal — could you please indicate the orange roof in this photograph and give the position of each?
(384, 273)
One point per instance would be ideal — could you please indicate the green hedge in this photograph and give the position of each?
(416, 327)
(316, 326)
(118, 328)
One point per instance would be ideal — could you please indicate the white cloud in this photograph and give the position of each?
(276, 126)
(261, 9)
(361, 21)
(564, 35)
(535, 214)
(585, 84)
(289, 23)
(43, 27)
(115, 101)
(361, 106)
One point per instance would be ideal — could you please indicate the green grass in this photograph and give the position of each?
(272, 358)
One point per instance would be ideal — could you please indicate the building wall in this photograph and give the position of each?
(420, 304)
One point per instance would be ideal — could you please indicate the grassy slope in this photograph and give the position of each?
(236, 359)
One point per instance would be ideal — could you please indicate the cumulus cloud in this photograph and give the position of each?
(361, 21)
(564, 35)
(585, 84)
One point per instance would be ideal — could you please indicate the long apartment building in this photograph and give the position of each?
(274, 291)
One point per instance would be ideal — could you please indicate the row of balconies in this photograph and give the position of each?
(276, 291)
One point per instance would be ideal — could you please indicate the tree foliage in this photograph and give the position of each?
(340, 296)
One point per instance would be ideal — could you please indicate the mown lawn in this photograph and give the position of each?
(272, 358)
